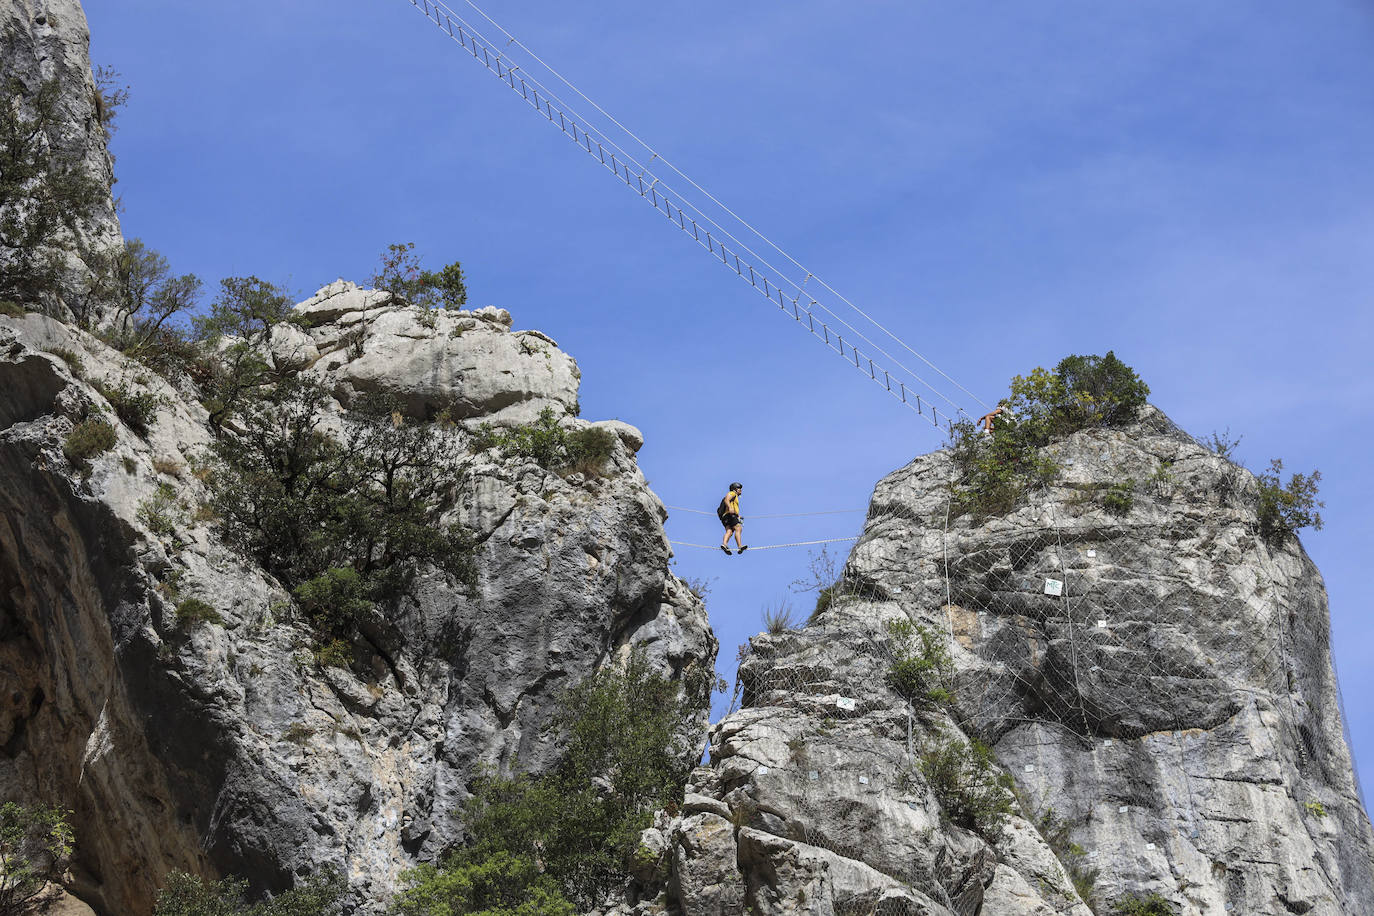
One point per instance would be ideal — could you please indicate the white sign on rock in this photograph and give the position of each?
(1054, 587)
(845, 703)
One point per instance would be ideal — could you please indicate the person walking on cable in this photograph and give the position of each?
(728, 513)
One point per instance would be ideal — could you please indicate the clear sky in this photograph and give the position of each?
(1001, 184)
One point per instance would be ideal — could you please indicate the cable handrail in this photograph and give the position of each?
(690, 219)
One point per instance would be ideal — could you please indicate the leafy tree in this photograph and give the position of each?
(578, 825)
(243, 315)
(35, 848)
(46, 194)
(246, 308)
(402, 277)
(189, 895)
(1285, 510)
(344, 520)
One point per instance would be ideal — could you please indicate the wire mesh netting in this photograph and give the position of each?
(1084, 639)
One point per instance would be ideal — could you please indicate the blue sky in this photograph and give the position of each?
(1001, 184)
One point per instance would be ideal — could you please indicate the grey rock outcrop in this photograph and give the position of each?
(1158, 678)
(43, 40)
(468, 364)
(220, 747)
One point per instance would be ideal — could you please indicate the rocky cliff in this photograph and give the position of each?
(1153, 673)
(221, 747)
(43, 40)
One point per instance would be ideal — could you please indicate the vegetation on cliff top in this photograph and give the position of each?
(1083, 391)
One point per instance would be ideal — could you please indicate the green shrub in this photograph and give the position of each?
(1073, 857)
(825, 598)
(1083, 391)
(580, 822)
(137, 409)
(1223, 444)
(1119, 497)
(1285, 510)
(194, 610)
(137, 281)
(921, 665)
(1099, 391)
(1152, 904)
(163, 512)
(240, 374)
(333, 653)
(335, 601)
(11, 309)
(297, 733)
(86, 440)
(589, 449)
(973, 791)
(499, 885)
(35, 849)
(548, 444)
(188, 895)
(73, 360)
(304, 503)
(401, 276)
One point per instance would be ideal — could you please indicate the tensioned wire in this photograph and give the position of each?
(743, 222)
(766, 546)
(453, 17)
(783, 515)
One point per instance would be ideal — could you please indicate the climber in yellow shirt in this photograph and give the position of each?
(728, 513)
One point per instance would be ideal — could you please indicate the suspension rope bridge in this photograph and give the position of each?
(800, 299)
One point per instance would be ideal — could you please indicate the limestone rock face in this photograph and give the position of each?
(42, 40)
(467, 363)
(221, 747)
(1158, 677)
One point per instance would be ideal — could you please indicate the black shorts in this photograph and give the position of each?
(729, 520)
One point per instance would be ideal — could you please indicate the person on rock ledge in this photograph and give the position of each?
(728, 513)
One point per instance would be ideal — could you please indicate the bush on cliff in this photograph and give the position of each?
(401, 276)
(307, 503)
(1285, 510)
(548, 444)
(87, 439)
(136, 283)
(1152, 904)
(1082, 392)
(921, 665)
(188, 895)
(35, 849)
(238, 326)
(973, 790)
(577, 826)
